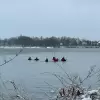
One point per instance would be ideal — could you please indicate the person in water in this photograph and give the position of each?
(63, 59)
(29, 58)
(46, 60)
(55, 59)
(36, 59)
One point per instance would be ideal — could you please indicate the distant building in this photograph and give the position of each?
(84, 43)
(61, 44)
(98, 43)
(78, 41)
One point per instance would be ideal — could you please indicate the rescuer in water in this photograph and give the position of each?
(29, 58)
(46, 60)
(36, 59)
(55, 59)
(63, 59)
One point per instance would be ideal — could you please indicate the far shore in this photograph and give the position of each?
(15, 47)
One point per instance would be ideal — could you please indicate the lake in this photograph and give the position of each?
(34, 75)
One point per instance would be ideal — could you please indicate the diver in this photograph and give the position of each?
(46, 60)
(55, 59)
(36, 59)
(63, 59)
(29, 58)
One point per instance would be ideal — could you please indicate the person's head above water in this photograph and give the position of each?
(36, 58)
(29, 58)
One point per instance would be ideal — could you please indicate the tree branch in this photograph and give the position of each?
(5, 62)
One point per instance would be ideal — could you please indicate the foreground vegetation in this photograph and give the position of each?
(72, 88)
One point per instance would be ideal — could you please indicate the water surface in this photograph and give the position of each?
(33, 74)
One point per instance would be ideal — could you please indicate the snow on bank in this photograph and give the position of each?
(87, 95)
(91, 95)
(7, 47)
(87, 98)
(93, 91)
(15, 47)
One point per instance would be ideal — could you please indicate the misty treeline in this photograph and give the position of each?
(47, 41)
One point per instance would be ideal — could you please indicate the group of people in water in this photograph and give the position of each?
(54, 59)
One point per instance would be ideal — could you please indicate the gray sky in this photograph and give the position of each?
(75, 18)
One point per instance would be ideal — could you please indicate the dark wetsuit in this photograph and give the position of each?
(29, 58)
(46, 60)
(63, 59)
(36, 59)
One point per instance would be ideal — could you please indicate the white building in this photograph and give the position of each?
(98, 43)
(84, 43)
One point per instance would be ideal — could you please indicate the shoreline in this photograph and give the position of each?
(77, 47)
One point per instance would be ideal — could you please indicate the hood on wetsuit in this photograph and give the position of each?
(29, 58)
(63, 59)
(46, 60)
(36, 59)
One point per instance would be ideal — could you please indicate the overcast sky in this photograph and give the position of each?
(75, 18)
